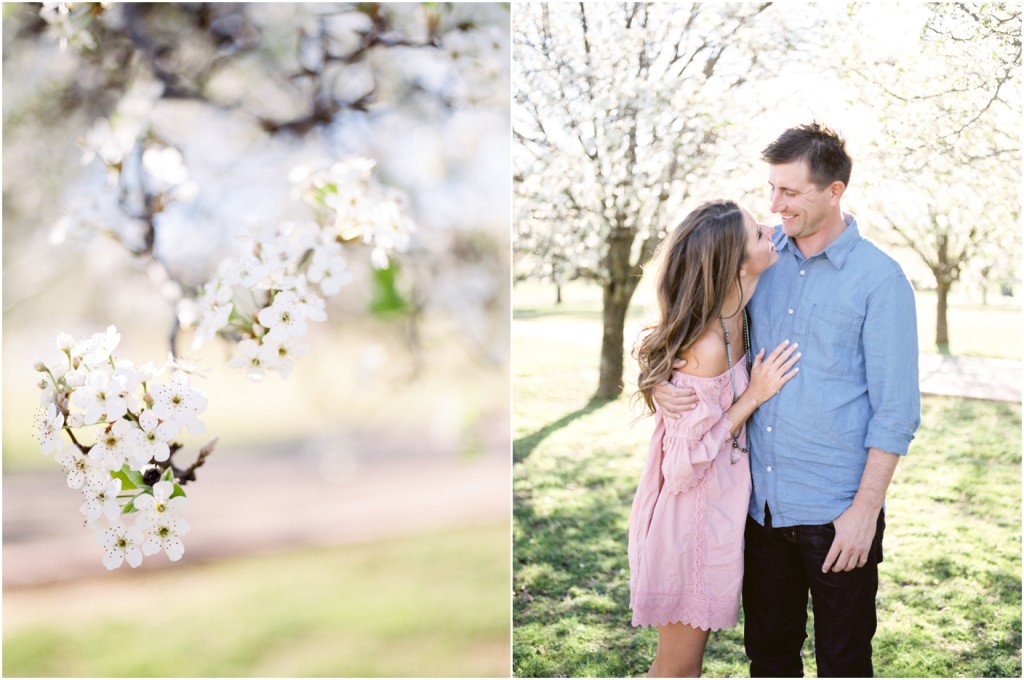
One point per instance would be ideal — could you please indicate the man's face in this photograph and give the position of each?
(803, 207)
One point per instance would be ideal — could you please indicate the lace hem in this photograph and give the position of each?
(699, 611)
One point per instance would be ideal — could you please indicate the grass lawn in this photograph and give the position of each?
(433, 605)
(974, 329)
(950, 596)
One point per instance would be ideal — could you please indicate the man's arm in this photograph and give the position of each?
(855, 528)
(673, 400)
(890, 362)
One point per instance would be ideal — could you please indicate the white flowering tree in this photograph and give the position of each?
(621, 114)
(944, 172)
(259, 158)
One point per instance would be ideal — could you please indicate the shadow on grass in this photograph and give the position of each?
(571, 608)
(524, 446)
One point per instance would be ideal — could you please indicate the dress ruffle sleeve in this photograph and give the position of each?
(692, 441)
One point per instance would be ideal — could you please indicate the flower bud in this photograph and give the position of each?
(39, 366)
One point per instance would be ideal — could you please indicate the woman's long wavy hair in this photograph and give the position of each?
(698, 265)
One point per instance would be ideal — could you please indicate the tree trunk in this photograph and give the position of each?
(944, 275)
(558, 293)
(616, 304)
(941, 325)
(618, 288)
(986, 272)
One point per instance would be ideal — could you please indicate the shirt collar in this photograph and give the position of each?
(836, 252)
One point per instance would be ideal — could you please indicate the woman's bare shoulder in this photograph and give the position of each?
(706, 358)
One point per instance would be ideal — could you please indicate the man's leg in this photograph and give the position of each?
(844, 605)
(774, 601)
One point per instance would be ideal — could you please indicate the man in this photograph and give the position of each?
(823, 450)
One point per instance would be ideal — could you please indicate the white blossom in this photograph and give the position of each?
(277, 351)
(50, 425)
(250, 357)
(329, 272)
(284, 315)
(163, 532)
(65, 341)
(101, 397)
(97, 349)
(247, 272)
(309, 304)
(115, 444)
(178, 402)
(101, 500)
(159, 503)
(120, 543)
(81, 469)
(155, 435)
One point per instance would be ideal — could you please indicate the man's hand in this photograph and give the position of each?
(673, 400)
(855, 530)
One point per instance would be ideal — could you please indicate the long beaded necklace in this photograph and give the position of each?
(734, 455)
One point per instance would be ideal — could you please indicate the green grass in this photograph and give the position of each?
(950, 593)
(433, 605)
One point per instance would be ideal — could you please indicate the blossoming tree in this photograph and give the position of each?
(260, 159)
(617, 124)
(944, 172)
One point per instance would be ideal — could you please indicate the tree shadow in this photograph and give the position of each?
(524, 446)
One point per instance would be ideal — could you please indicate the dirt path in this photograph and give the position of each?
(261, 503)
(971, 377)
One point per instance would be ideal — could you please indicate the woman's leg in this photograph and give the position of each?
(680, 651)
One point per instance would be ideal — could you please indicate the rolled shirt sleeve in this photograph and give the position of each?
(891, 366)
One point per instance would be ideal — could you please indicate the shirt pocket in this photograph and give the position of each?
(834, 340)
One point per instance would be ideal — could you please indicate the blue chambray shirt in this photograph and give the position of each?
(851, 308)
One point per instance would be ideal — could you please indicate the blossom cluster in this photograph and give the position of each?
(68, 21)
(354, 206)
(265, 298)
(121, 421)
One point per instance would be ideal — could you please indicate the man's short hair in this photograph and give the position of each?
(822, 148)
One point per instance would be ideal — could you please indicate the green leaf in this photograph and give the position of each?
(130, 479)
(129, 507)
(386, 298)
(167, 476)
(178, 491)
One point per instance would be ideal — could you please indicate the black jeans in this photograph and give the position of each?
(780, 566)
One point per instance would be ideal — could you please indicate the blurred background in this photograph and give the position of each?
(353, 519)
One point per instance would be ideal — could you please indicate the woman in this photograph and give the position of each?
(686, 525)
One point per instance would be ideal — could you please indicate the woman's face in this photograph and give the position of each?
(760, 249)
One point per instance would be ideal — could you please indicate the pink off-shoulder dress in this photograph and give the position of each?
(686, 525)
